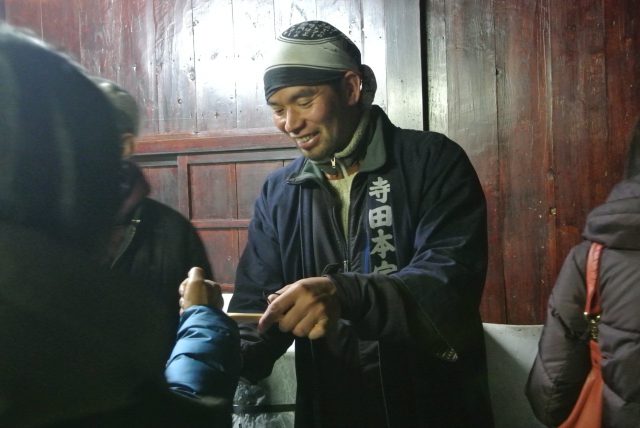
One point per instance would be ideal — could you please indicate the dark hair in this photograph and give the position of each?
(59, 154)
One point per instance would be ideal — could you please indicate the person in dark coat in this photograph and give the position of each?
(562, 363)
(76, 348)
(157, 246)
(370, 250)
(151, 242)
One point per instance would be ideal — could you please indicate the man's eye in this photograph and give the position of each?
(304, 103)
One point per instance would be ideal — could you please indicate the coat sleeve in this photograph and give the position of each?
(259, 272)
(562, 363)
(206, 358)
(433, 300)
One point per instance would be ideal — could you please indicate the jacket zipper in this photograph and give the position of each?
(340, 237)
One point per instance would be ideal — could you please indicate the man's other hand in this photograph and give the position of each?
(307, 308)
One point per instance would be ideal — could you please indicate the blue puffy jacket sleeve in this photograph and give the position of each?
(206, 358)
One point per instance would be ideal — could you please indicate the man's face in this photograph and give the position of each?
(319, 119)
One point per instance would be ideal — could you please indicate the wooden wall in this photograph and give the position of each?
(542, 94)
(196, 65)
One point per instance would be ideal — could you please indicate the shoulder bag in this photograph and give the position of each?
(587, 412)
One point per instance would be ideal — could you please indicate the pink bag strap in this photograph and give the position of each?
(592, 302)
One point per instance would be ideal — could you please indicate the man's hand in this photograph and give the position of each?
(195, 290)
(307, 308)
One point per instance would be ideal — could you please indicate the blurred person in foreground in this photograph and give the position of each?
(370, 250)
(80, 345)
(563, 359)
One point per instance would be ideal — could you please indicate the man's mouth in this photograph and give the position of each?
(307, 142)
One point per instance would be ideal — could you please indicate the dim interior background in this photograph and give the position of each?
(542, 94)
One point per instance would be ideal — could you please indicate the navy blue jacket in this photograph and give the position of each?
(409, 279)
(206, 358)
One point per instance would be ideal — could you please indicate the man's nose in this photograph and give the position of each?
(293, 122)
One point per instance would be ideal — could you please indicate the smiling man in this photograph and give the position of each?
(370, 250)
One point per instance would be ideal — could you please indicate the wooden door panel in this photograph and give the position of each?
(213, 180)
(250, 177)
(213, 191)
(164, 184)
(222, 249)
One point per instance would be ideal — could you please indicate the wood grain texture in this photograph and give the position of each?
(622, 29)
(25, 13)
(404, 86)
(566, 100)
(61, 25)
(374, 48)
(525, 151)
(213, 181)
(289, 12)
(471, 119)
(579, 118)
(437, 88)
(164, 184)
(215, 64)
(223, 252)
(253, 31)
(175, 66)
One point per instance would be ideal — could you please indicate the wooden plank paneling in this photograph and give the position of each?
(164, 184)
(214, 185)
(622, 29)
(175, 65)
(233, 140)
(101, 36)
(165, 53)
(25, 13)
(345, 15)
(404, 82)
(118, 43)
(215, 64)
(526, 173)
(579, 121)
(137, 70)
(437, 89)
(61, 25)
(253, 31)
(471, 121)
(374, 42)
(222, 250)
(289, 12)
(251, 176)
(213, 191)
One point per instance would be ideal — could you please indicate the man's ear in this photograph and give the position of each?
(127, 141)
(353, 87)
